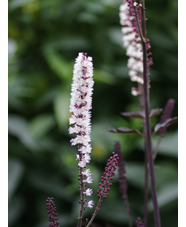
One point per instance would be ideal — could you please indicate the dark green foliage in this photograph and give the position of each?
(44, 38)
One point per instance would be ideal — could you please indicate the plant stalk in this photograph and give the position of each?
(146, 185)
(82, 196)
(147, 123)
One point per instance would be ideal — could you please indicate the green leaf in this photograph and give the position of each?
(19, 128)
(49, 184)
(40, 125)
(135, 174)
(168, 145)
(166, 196)
(19, 3)
(61, 108)
(103, 77)
(58, 64)
(113, 210)
(15, 209)
(15, 173)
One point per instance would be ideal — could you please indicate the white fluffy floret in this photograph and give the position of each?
(88, 192)
(90, 204)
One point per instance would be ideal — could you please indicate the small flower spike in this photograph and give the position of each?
(130, 12)
(139, 222)
(52, 212)
(80, 124)
(104, 185)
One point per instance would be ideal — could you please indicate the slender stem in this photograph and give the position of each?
(146, 185)
(146, 188)
(148, 126)
(126, 203)
(95, 212)
(138, 25)
(82, 196)
(142, 31)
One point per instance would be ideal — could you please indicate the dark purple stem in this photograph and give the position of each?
(82, 196)
(147, 123)
(146, 184)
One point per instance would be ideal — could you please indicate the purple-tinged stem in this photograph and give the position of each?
(82, 195)
(147, 123)
(146, 186)
(95, 212)
(146, 183)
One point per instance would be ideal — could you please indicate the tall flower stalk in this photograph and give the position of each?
(80, 106)
(147, 119)
(133, 21)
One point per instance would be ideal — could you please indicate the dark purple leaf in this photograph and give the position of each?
(126, 131)
(155, 112)
(165, 124)
(137, 114)
(141, 114)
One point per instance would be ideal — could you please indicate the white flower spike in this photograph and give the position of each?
(80, 106)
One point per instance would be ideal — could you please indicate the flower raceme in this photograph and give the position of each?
(52, 212)
(104, 185)
(80, 105)
(130, 12)
(80, 124)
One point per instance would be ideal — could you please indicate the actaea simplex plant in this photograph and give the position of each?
(133, 22)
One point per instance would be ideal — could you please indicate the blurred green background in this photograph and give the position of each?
(44, 39)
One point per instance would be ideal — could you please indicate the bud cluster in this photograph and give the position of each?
(104, 185)
(139, 222)
(53, 217)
